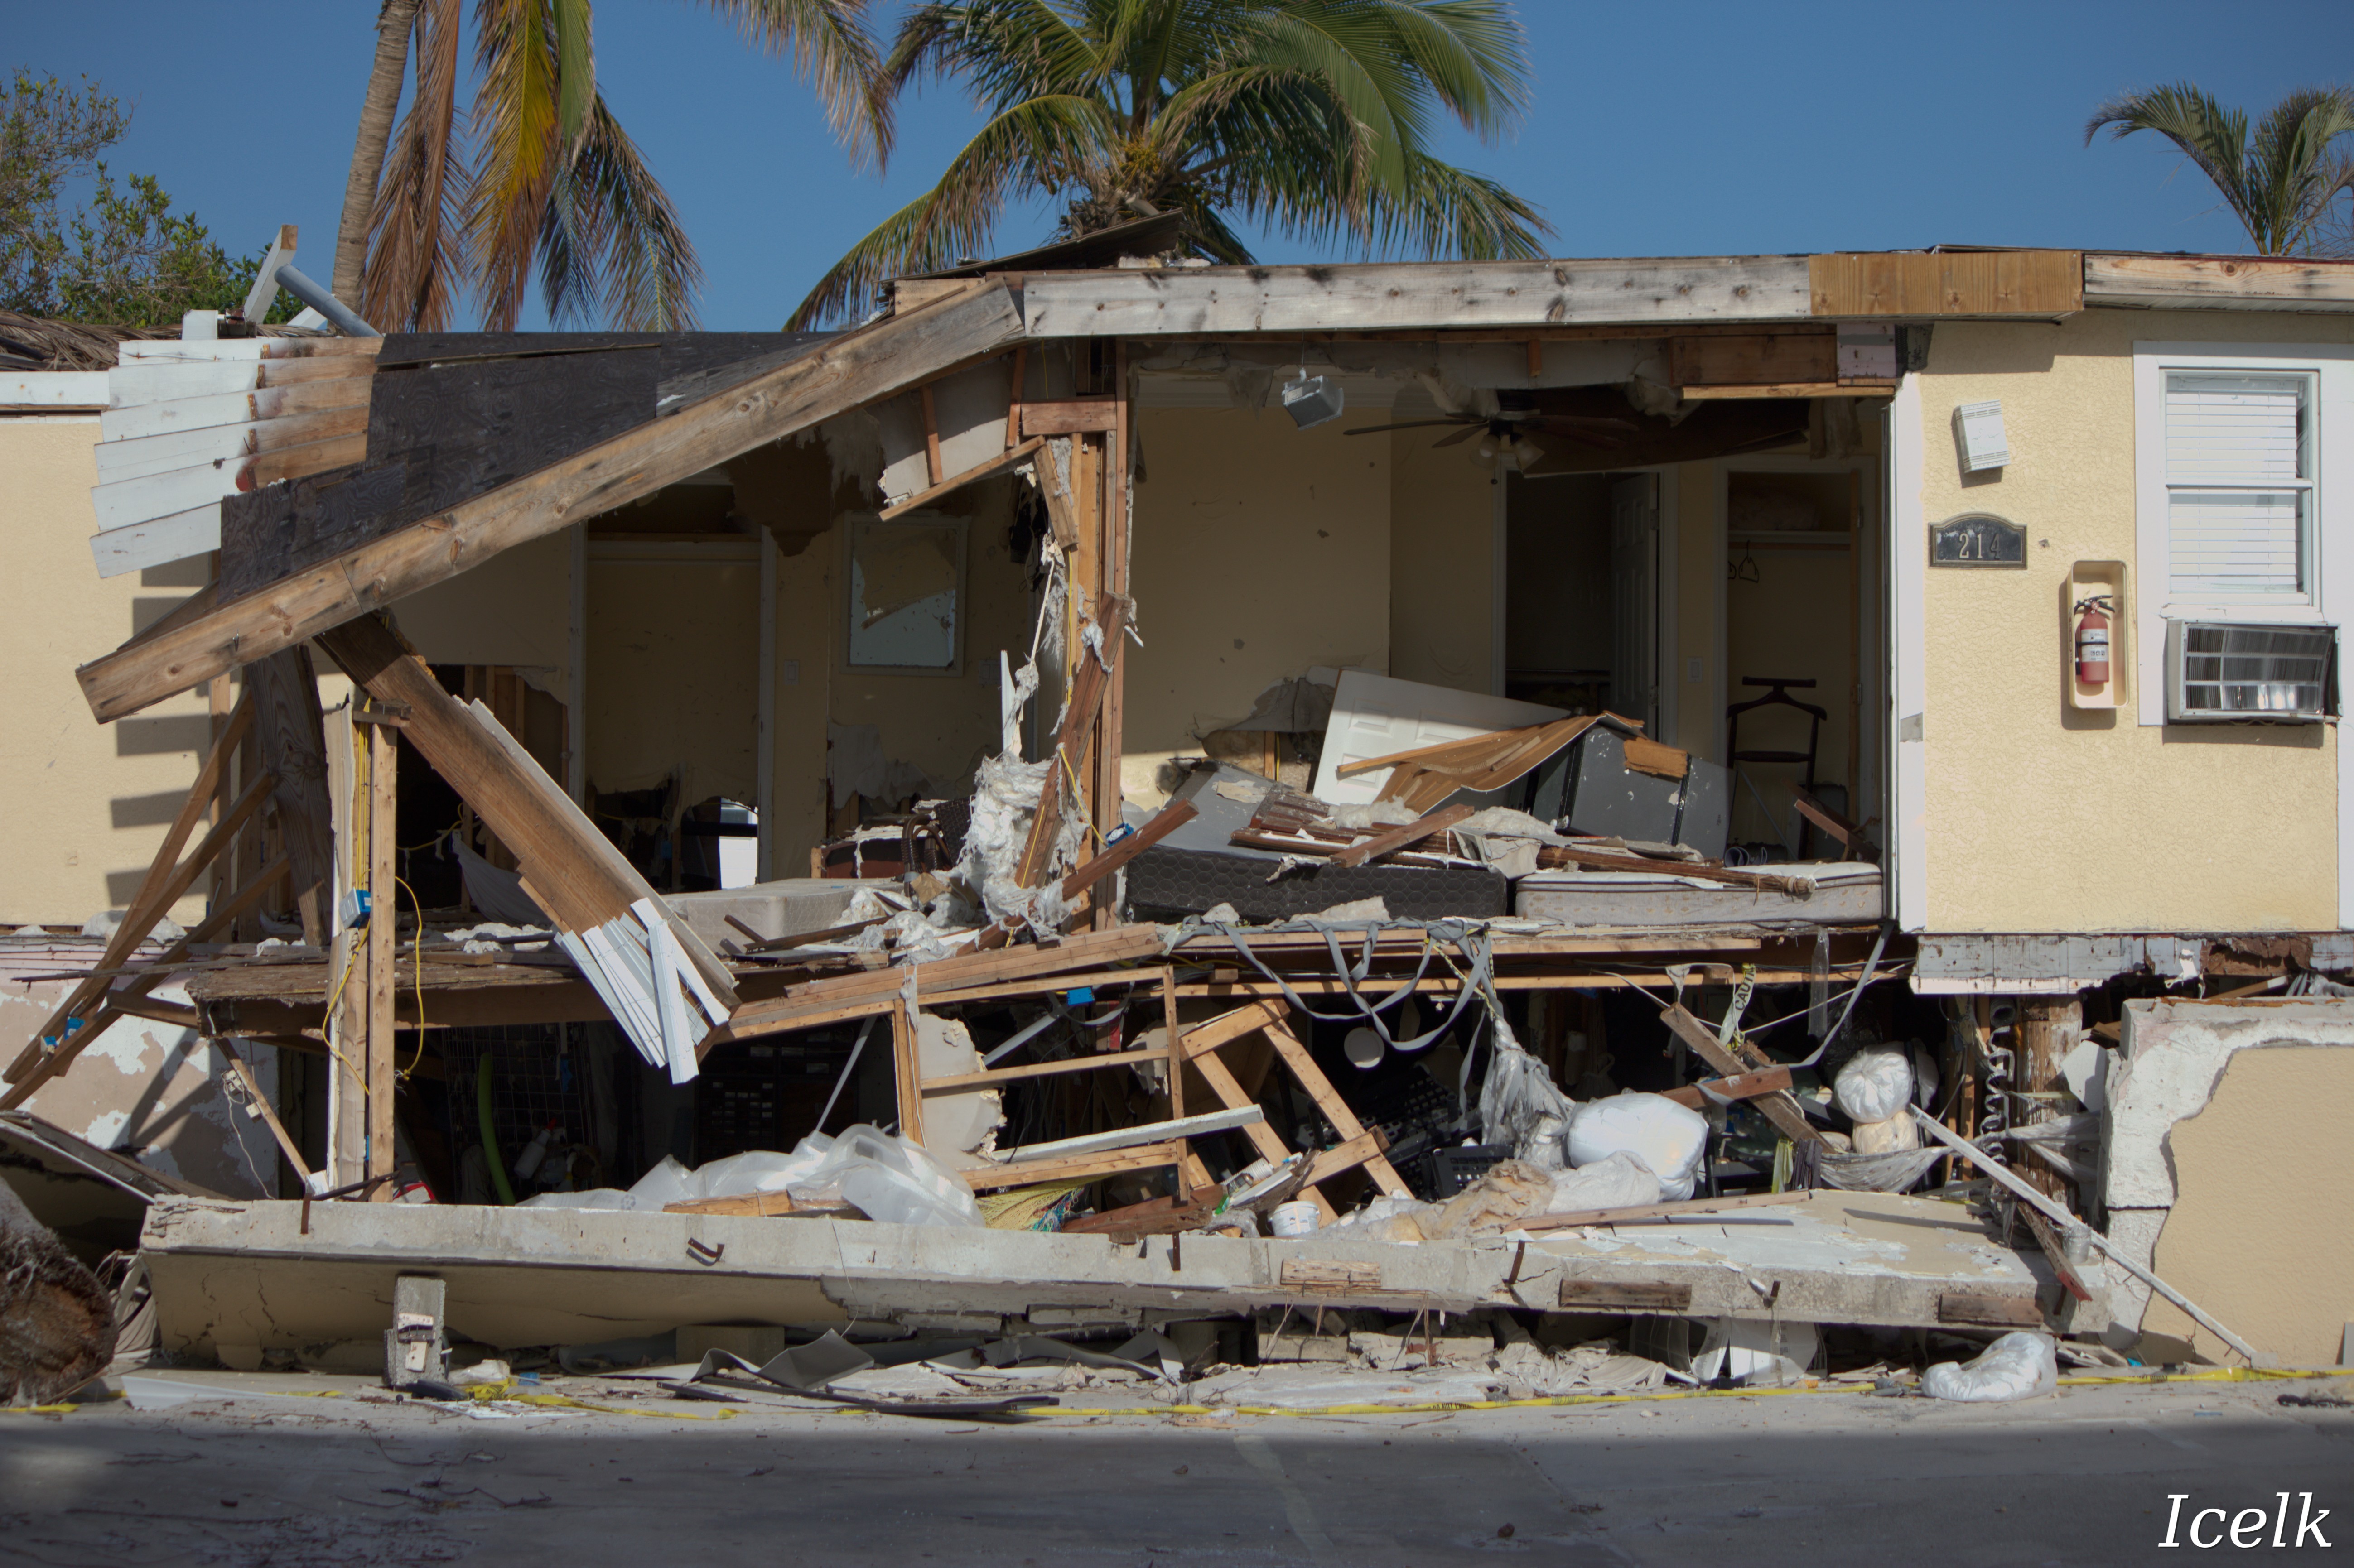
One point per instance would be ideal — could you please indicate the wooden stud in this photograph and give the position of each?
(1016, 384)
(931, 435)
(1779, 1107)
(1335, 1109)
(1012, 457)
(382, 954)
(1624, 1296)
(906, 1070)
(1175, 1044)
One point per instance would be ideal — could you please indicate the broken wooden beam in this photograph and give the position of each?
(854, 369)
(1778, 1106)
(1396, 838)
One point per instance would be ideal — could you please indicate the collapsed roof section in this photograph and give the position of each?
(414, 493)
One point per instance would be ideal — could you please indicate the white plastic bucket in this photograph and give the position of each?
(1299, 1219)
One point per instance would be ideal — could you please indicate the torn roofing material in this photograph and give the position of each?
(831, 378)
(450, 416)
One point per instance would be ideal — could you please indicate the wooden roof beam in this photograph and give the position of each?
(854, 369)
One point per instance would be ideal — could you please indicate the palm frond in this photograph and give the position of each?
(611, 237)
(2289, 169)
(956, 218)
(515, 118)
(576, 70)
(831, 47)
(416, 261)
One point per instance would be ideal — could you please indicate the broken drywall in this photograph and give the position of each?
(150, 1090)
(2245, 1176)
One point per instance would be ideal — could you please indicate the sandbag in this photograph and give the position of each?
(1876, 1085)
(1667, 1137)
(1621, 1181)
(2017, 1366)
(1495, 1203)
(1894, 1135)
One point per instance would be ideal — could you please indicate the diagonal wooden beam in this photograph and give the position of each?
(854, 369)
(118, 1004)
(153, 900)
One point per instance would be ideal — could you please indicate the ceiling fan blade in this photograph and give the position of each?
(1407, 425)
(1464, 434)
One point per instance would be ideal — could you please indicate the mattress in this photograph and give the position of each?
(1849, 892)
(1196, 868)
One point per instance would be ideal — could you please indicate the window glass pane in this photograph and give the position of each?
(903, 579)
(2234, 544)
(2233, 430)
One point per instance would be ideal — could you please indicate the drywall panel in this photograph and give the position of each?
(2043, 817)
(1442, 562)
(1260, 551)
(2253, 1237)
(87, 803)
(1373, 715)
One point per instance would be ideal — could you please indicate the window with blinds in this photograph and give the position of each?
(2238, 487)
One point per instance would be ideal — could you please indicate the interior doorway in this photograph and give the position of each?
(1582, 592)
(1796, 628)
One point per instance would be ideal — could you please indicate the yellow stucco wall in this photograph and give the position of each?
(86, 804)
(2041, 818)
(1260, 551)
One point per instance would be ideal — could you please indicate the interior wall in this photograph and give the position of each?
(943, 722)
(673, 668)
(1442, 564)
(88, 802)
(514, 609)
(2040, 817)
(1260, 551)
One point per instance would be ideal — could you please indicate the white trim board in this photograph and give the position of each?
(53, 389)
(1907, 733)
(158, 541)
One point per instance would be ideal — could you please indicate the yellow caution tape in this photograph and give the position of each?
(2212, 1374)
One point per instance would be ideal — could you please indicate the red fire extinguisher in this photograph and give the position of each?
(2093, 640)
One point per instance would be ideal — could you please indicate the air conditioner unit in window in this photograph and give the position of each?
(2238, 672)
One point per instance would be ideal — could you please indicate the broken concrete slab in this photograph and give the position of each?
(250, 1273)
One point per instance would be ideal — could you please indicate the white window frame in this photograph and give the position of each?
(2330, 513)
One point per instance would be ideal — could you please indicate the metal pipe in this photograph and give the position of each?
(338, 313)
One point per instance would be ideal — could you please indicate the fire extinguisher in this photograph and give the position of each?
(2093, 640)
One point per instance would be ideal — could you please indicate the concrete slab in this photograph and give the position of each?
(247, 1274)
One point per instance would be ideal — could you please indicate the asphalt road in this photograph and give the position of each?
(1813, 1479)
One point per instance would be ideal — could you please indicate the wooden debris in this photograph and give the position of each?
(1624, 1296)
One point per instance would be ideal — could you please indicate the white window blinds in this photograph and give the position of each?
(2238, 487)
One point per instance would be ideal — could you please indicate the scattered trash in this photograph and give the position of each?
(2016, 1366)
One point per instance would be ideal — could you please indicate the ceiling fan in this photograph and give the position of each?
(1518, 431)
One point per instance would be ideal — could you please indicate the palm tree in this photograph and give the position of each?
(1314, 116)
(538, 175)
(2280, 183)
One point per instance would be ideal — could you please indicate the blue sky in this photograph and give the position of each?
(1693, 129)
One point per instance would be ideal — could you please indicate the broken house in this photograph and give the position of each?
(1119, 749)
